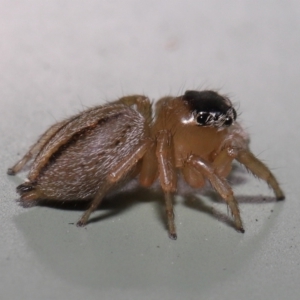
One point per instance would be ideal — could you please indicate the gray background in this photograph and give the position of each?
(58, 57)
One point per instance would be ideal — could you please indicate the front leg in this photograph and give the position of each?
(167, 176)
(220, 184)
(259, 169)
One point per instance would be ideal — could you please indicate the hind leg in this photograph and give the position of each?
(30, 192)
(36, 148)
(94, 204)
(27, 191)
(117, 174)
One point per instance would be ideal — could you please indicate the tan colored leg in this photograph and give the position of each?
(128, 163)
(149, 169)
(36, 147)
(113, 177)
(95, 203)
(143, 106)
(259, 169)
(170, 215)
(221, 186)
(167, 176)
(223, 161)
(194, 178)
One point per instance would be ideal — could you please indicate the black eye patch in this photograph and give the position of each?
(210, 108)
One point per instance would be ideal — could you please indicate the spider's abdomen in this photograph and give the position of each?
(80, 166)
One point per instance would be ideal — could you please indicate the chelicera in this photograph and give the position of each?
(195, 136)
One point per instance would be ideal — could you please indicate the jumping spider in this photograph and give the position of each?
(88, 155)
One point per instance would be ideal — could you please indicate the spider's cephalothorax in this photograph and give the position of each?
(210, 109)
(90, 154)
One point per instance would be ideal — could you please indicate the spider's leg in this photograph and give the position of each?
(220, 184)
(34, 149)
(223, 161)
(95, 203)
(260, 170)
(118, 173)
(167, 176)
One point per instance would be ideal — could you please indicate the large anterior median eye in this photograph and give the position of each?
(202, 118)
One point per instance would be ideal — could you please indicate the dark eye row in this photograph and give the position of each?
(205, 118)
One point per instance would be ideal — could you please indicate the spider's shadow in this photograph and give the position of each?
(118, 203)
(111, 205)
(196, 203)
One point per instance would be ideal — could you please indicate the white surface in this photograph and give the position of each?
(60, 56)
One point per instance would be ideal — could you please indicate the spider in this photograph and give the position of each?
(195, 135)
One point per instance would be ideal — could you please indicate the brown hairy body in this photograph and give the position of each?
(87, 155)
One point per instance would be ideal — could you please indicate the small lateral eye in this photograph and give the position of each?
(202, 118)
